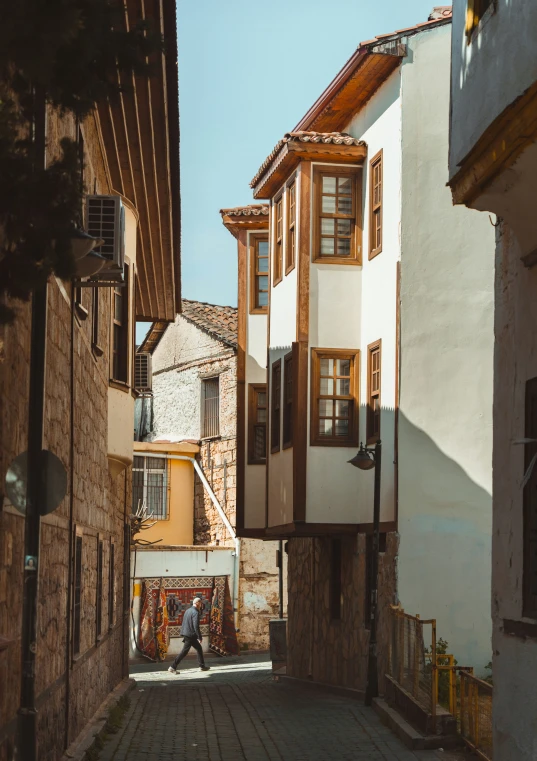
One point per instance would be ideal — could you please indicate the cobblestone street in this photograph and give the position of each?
(236, 711)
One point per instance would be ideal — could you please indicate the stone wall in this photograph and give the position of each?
(326, 650)
(68, 689)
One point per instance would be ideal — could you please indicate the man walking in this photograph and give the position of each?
(191, 633)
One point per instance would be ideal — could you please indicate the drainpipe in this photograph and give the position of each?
(226, 523)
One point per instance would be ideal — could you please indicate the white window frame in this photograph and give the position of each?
(157, 471)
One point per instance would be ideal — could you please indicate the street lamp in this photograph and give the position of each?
(365, 459)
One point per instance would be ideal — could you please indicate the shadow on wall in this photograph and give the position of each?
(442, 570)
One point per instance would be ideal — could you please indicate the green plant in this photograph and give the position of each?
(488, 677)
(443, 675)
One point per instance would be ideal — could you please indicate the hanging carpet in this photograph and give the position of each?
(164, 602)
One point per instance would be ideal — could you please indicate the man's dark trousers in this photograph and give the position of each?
(189, 642)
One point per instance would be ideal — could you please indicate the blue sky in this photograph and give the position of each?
(248, 71)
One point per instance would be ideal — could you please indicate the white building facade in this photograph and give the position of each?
(493, 169)
(380, 305)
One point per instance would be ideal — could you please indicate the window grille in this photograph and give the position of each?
(150, 481)
(210, 408)
(111, 585)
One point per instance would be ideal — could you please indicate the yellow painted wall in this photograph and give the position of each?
(178, 528)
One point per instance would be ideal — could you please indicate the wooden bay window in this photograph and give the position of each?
(259, 274)
(375, 206)
(337, 233)
(373, 392)
(257, 424)
(334, 397)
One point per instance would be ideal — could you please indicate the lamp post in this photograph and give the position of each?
(366, 459)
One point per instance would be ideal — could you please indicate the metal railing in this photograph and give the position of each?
(424, 673)
(407, 661)
(475, 714)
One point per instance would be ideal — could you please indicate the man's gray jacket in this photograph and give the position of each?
(191, 624)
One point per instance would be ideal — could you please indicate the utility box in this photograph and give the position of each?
(278, 644)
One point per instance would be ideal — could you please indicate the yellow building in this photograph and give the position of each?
(165, 484)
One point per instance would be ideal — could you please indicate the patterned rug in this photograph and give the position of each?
(222, 637)
(164, 602)
(153, 636)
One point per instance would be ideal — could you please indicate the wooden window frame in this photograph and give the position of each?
(205, 435)
(355, 257)
(375, 208)
(77, 586)
(316, 440)
(371, 436)
(120, 372)
(287, 413)
(529, 505)
(477, 12)
(254, 389)
(255, 239)
(290, 225)
(275, 409)
(111, 583)
(99, 589)
(279, 226)
(336, 586)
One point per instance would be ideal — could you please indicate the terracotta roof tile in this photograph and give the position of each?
(439, 13)
(253, 210)
(336, 138)
(219, 321)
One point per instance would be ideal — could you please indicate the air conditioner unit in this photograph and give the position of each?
(142, 372)
(105, 218)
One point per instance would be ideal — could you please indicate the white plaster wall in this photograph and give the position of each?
(350, 307)
(184, 356)
(202, 561)
(491, 72)
(515, 362)
(445, 439)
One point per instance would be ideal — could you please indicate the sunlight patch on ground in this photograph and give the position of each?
(190, 674)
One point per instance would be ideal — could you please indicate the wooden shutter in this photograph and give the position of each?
(530, 507)
(211, 404)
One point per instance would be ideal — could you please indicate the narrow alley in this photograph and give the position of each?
(237, 711)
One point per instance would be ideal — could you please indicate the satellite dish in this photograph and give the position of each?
(54, 481)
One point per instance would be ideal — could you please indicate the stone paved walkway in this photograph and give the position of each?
(236, 712)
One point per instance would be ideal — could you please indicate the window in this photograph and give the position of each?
(375, 206)
(291, 228)
(210, 407)
(335, 580)
(288, 401)
(120, 328)
(275, 406)
(257, 424)
(95, 322)
(474, 13)
(150, 480)
(337, 237)
(99, 601)
(530, 507)
(77, 597)
(334, 397)
(373, 392)
(278, 242)
(259, 274)
(111, 585)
